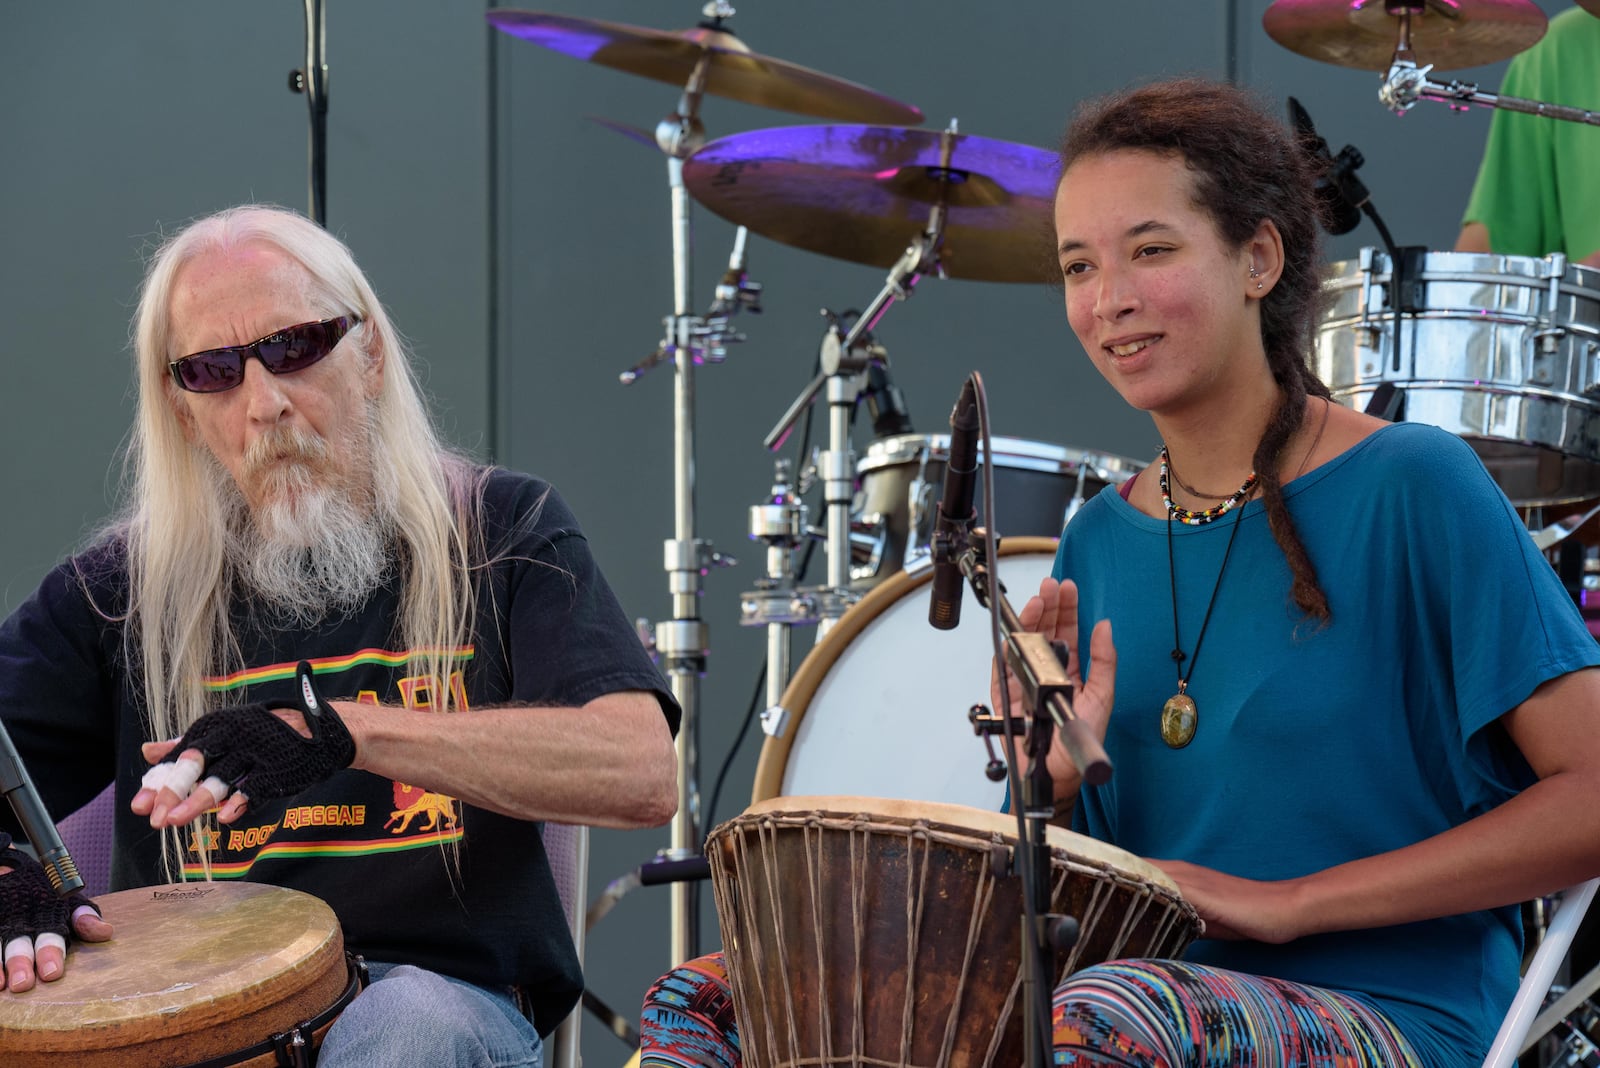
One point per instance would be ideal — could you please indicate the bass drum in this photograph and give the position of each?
(1502, 350)
(879, 707)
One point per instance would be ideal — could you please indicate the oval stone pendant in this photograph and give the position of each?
(1179, 718)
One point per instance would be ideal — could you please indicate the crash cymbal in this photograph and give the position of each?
(861, 193)
(1449, 34)
(732, 71)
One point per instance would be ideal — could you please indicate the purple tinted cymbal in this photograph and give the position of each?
(1449, 34)
(861, 193)
(732, 70)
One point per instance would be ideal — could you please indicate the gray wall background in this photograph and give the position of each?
(525, 250)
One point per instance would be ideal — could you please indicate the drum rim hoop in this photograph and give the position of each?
(951, 820)
(1024, 454)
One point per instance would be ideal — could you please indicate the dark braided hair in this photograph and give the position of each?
(1246, 168)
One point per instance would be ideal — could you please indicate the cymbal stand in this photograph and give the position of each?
(1406, 83)
(844, 357)
(683, 642)
(312, 80)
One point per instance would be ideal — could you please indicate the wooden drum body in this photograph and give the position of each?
(864, 931)
(195, 971)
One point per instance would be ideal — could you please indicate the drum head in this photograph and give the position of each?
(195, 970)
(982, 825)
(879, 707)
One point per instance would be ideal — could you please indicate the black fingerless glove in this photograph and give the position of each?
(28, 906)
(263, 757)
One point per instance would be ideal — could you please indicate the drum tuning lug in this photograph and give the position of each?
(1000, 860)
(775, 721)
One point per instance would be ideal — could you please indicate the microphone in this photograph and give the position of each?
(955, 513)
(885, 403)
(36, 822)
(1340, 194)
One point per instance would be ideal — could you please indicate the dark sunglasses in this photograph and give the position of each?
(294, 348)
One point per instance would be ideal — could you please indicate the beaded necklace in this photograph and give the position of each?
(1197, 518)
(1180, 716)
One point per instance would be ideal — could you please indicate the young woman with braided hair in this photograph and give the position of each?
(1349, 705)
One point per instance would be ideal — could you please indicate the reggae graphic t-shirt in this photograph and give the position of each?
(414, 876)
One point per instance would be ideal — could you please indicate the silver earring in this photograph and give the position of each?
(1256, 274)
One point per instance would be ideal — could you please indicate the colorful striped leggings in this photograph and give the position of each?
(1139, 1014)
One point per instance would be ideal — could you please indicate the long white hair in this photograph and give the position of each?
(178, 630)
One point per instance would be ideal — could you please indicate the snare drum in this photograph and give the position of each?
(873, 932)
(1501, 350)
(879, 707)
(1036, 487)
(196, 971)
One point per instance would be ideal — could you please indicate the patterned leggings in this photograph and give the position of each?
(1138, 1014)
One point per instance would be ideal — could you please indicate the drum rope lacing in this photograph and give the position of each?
(1112, 889)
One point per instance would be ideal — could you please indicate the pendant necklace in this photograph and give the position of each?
(1180, 717)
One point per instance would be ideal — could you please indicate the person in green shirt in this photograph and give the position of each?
(1538, 188)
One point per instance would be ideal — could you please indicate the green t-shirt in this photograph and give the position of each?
(1538, 188)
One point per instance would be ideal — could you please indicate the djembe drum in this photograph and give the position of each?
(197, 972)
(864, 931)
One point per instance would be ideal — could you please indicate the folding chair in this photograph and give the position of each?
(1525, 1025)
(87, 835)
(567, 847)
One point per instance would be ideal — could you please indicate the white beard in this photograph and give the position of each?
(313, 548)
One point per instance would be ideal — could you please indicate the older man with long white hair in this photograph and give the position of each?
(296, 539)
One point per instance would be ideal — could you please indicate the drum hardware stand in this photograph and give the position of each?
(1041, 667)
(1406, 82)
(780, 521)
(844, 358)
(683, 642)
(312, 80)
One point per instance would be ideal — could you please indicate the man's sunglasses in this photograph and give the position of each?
(294, 348)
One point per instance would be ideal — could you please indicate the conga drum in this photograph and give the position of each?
(866, 931)
(196, 973)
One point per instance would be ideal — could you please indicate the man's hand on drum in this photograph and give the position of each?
(1053, 612)
(35, 920)
(259, 751)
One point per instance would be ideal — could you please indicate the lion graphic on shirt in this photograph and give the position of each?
(411, 802)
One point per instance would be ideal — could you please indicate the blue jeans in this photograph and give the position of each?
(407, 1016)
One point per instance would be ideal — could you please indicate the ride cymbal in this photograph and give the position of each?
(1449, 34)
(861, 193)
(732, 70)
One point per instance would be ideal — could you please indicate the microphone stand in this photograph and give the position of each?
(36, 823)
(1040, 665)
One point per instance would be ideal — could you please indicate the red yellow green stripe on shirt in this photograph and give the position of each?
(300, 850)
(327, 665)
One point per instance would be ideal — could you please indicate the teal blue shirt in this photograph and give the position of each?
(1320, 746)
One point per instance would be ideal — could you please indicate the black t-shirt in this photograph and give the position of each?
(413, 876)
